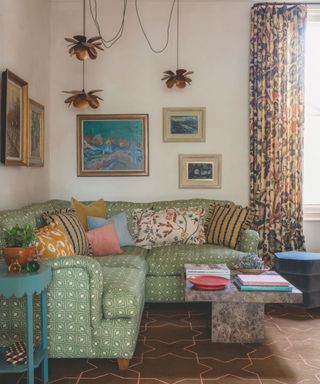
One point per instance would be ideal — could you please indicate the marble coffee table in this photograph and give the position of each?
(238, 317)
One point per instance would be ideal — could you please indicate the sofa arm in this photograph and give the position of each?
(249, 241)
(73, 275)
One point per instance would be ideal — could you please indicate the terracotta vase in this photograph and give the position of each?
(21, 255)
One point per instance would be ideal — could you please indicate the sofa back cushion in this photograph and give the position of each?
(31, 214)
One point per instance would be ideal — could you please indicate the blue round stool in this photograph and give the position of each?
(302, 269)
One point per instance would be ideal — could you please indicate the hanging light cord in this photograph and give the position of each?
(178, 28)
(94, 14)
(168, 28)
(83, 75)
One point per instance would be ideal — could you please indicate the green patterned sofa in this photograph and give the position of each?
(95, 304)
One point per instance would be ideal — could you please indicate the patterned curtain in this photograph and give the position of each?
(276, 124)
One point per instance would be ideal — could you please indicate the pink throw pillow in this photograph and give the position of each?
(104, 241)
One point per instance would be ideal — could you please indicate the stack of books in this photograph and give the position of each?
(207, 270)
(263, 283)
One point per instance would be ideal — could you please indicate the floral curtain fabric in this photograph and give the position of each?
(276, 124)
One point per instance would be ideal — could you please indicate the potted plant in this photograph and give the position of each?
(19, 244)
(252, 264)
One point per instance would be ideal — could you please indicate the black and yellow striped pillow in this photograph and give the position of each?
(68, 219)
(225, 223)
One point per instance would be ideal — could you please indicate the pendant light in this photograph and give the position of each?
(82, 47)
(180, 78)
(83, 99)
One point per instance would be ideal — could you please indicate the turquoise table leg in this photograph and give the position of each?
(30, 364)
(44, 335)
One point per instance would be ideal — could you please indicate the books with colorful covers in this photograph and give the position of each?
(264, 280)
(207, 270)
(262, 288)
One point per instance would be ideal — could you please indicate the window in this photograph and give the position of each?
(311, 178)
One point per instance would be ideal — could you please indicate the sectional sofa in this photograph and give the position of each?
(95, 303)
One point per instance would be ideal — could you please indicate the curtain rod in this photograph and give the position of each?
(286, 3)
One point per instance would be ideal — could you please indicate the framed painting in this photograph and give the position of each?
(36, 134)
(200, 171)
(14, 120)
(184, 124)
(113, 145)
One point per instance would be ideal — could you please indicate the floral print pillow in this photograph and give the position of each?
(170, 226)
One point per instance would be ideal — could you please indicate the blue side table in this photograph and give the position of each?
(26, 284)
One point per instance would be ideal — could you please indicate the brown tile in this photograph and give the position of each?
(288, 371)
(224, 352)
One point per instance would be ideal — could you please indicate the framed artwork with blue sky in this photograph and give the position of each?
(113, 145)
(184, 124)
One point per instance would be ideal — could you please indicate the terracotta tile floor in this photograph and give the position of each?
(174, 347)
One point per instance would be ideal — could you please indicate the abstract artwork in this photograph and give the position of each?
(36, 134)
(14, 120)
(113, 145)
(200, 171)
(184, 124)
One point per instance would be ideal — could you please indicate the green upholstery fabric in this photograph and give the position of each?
(95, 303)
(249, 241)
(123, 261)
(161, 289)
(31, 214)
(123, 292)
(170, 260)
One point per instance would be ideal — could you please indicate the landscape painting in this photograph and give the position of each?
(184, 124)
(14, 120)
(200, 171)
(113, 145)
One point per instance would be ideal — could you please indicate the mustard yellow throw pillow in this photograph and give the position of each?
(95, 209)
(53, 241)
(225, 223)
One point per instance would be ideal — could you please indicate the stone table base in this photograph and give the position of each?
(237, 322)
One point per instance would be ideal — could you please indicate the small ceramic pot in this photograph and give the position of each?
(21, 255)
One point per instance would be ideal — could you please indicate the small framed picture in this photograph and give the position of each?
(184, 124)
(199, 171)
(14, 120)
(36, 134)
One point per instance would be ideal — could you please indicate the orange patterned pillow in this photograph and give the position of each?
(53, 241)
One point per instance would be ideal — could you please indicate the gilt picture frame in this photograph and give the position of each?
(14, 120)
(200, 171)
(36, 134)
(113, 145)
(184, 124)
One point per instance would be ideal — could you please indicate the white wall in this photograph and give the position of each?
(24, 39)
(214, 44)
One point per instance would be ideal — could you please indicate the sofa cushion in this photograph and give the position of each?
(132, 258)
(104, 241)
(166, 261)
(121, 223)
(187, 203)
(224, 224)
(94, 209)
(169, 226)
(123, 292)
(52, 241)
(68, 219)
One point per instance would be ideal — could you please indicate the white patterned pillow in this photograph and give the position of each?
(170, 226)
